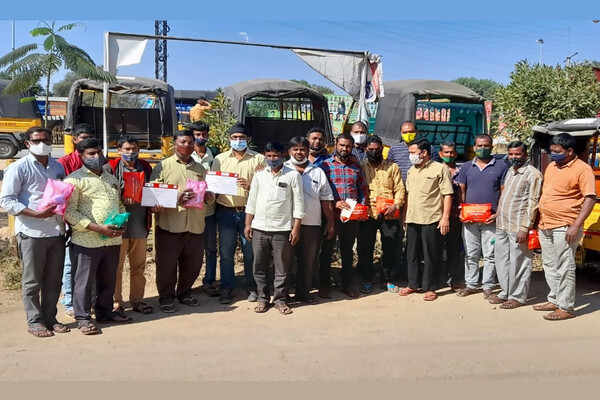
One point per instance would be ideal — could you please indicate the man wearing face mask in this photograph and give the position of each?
(568, 197)
(231, 211)
(274, 211)
(205, 155)
(138, 227)
(96, 246)
(517, 211)
(359, 133)
(40, 234)
(384, 180)
(316, 145)
(481, 181)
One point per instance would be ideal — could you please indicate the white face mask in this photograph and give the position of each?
(296, 162)
(40, 149)
(415, 159)
(359, 138)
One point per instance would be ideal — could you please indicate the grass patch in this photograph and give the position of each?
(10, 266)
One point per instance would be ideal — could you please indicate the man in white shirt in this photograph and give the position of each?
(318, 198)
(274, 212)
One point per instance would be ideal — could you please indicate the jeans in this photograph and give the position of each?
(231, 227)
(210, 249)
(67, 281)
(479, 238)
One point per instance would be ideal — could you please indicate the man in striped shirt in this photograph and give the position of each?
(516, 214)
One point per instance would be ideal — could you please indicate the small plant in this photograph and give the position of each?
(10, 266)
(221, 118)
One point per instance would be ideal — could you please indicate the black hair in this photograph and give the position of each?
(184, 132)
(361, 123)
(565, 140)
(89, 143)
(127, 139)
(274, 146)
(373, 139)
(346, 136)
(198, 126)
(315, 129)
(83, 128)
(448, 143)
(484, 136)
(422, 144)
(298, 140)
(37, 129)
(515, 144)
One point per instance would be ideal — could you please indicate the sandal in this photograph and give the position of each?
(143, 308)
(510, 304)
(211, 291)
(405, 291)
(87, 328)
(261, 307)
(40, 331)
(190, 301)
(390, 287)
(60, 328)
(494, 299)
(545, 307)
(430, 296)
(466, 292)
(168, 308)
(283, 308)
(115, 318)
(558, 315)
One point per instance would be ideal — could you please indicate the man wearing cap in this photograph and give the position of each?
(231, 211)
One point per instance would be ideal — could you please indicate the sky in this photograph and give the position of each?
(411, 48)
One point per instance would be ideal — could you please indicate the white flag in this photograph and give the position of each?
(123, 51)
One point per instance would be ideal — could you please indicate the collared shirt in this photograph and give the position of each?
(71, 162)
(320, 158)
(563, 192)
(23, 187)
(316, 189)
(360, 153)
(398, 153)
(426, 188)
(457, 195)
(518, 203)
(207, 162)
(483, 184)
(245, 166)
(174, 172)
(385, 180)
(347, 181)
(94, 199)
(275, 200)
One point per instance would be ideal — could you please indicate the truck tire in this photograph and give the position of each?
(7, 149)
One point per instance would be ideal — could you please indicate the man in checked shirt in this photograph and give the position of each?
(347, 181)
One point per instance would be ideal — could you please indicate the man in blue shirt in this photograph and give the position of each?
(40, 234)
(481, 181)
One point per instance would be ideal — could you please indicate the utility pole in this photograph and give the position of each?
(13, 43)
(160, 50)
(541, 43)
(568, 59)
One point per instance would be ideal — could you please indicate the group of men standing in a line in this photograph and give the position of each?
(289, 212)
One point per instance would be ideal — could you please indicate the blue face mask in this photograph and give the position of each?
(276, 163)
(201, 142)
(129, 157)
(238, 144)
(558, 158)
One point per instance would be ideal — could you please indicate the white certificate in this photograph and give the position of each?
(159, 194)
(222, 182)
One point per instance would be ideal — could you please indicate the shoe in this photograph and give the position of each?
(253, 296)
(324, 293)
(225, 297)
(487, 294)
(350, 292)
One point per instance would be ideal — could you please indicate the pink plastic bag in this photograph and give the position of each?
(56, 192)
(199, 187)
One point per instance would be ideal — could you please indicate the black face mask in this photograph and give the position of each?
(516, 162)
(375, 155)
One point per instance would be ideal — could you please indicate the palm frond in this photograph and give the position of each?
(31, 61)
(49, 43)
(17, 54)
(91, 71)
(68, 27)
(22, 82)
(69, 51)
(40, 31)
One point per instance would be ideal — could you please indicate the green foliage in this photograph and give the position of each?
(314, 86)
(10, 265)
(29, 67)
(483, 87)
(62, 87)
(221, 118)
(543, 93)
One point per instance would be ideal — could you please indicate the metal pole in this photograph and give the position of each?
(13, 43)
(541, 42)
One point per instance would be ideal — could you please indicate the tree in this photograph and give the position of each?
(221, 118)
(314, 86)
(483, 87)
(28, 67)
(542, 93)
(62, 87)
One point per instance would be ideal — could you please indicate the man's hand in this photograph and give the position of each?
(184, 196)
(571, 234)
(46, 212)
(248, 232)
(491, 219)
(157, 208)
(342, 205)
(208, 197)
(127, 201)
(390, 210)
(444, 225)
(259, 167)
(110, 231)
(522, 237)
(329, 229)
(243, 183)
(294, 236)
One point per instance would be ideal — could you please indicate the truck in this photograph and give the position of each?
(17, 114)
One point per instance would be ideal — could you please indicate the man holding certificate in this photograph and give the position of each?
(179, 231)
(231, 210)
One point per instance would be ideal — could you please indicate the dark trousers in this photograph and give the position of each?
(263, 244)
(347, 233)
(178, 263)
(99, 264)
(455, 264)
(42, 260)
(400, 267)
(389, 230)
(424, 243)
(307, 256)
